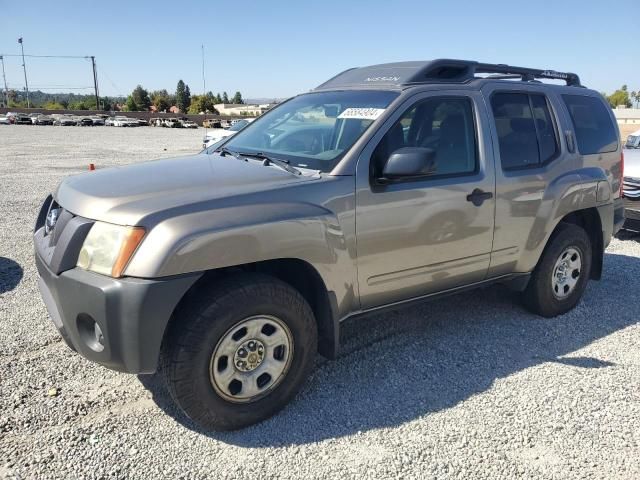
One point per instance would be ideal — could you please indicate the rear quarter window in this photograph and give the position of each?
(595, 132)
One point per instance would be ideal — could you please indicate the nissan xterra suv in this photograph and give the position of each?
(227, 271)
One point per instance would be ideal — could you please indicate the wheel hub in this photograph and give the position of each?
(249, 355)
(566, 272)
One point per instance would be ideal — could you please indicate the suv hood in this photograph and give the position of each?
(125, 195)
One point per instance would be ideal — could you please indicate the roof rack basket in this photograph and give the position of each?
(464, 70)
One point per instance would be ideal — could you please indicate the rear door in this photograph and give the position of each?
(425, 235)
(532, 163)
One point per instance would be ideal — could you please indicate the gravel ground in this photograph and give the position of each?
(470, 386)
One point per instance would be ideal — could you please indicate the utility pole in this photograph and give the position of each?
(6, 90)
(95, 81)
(24, 66)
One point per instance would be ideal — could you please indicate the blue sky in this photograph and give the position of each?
(280, 48)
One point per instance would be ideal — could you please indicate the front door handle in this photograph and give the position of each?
(478, 196)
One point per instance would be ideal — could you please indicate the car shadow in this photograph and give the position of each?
(10, 274)
(398, 366)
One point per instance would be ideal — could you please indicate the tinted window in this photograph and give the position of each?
(444, 125)
(526, 129)
(592, 123)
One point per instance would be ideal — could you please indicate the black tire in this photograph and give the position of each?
(539, 296)
(205, 319)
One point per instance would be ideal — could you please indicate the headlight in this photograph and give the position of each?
(108, 248)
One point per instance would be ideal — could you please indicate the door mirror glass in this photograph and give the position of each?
(409, 162)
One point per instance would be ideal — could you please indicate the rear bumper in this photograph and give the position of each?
(131, 314)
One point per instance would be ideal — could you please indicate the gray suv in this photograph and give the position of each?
(229, 270)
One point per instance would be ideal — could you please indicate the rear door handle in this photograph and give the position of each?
(478, 196)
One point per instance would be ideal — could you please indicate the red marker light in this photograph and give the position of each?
(92, 166)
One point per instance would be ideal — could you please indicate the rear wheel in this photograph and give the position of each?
(559, 279)
(239, 352)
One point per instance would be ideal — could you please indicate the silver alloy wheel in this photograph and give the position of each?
(251, 359)
(566, 273)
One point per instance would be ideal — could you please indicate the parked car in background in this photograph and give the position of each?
(633, 140)
(41, 119)
(216, 135)
(142, 122)
(4, 120)
(23, 119)
(155, 122)
(212, 123)
(186, 123)
(172, 123)
(122, 121)
(97, 120)
(631, 189)
(65, 120)
(85, 122)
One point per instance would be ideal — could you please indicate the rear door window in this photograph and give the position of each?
(526, 129)
(592, 123)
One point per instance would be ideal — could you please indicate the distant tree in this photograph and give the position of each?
(141, 98)
(237, 98)
(619, 97)
(202, 104)
(635, 96)
(53, 105)
(218, 98)
(181, 100)
(161, 100)
(187, 97)
(79, 105)
(130, 105)
(225, 97)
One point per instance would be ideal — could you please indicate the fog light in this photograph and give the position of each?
(90, 332)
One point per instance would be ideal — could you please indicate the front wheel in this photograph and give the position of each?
(239, 352)
(561, 276)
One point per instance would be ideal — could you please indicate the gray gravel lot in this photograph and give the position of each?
(471, 386)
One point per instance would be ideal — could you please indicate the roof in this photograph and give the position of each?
(444, 70)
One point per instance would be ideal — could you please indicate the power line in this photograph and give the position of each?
(45, 56)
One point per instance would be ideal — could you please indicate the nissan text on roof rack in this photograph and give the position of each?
(228, 271)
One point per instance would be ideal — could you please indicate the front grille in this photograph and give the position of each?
(59, 246)
(631, 187)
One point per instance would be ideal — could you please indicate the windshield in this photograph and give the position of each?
(313, 130)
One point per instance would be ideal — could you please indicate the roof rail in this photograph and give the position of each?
(448, 70)
(528, 74)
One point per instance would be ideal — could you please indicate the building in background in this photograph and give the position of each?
(249, 110)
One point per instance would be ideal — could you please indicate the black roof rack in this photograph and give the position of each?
(440, 71)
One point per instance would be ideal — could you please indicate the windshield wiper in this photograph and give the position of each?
(225, 151)
(283, 164)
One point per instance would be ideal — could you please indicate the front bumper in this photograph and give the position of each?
(131, 314)
(117, 322)
(632, 214)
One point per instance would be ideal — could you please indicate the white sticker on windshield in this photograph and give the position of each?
(362, 113)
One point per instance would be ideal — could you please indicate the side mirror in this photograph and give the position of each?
(409, 162)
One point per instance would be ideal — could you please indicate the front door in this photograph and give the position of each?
(423, 235)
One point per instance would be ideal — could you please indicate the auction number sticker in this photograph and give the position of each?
(362, 113)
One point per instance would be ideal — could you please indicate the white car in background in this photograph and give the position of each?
(4, 120)
(122, 121)
(631, 189)
(633, 140)
(217, 134)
